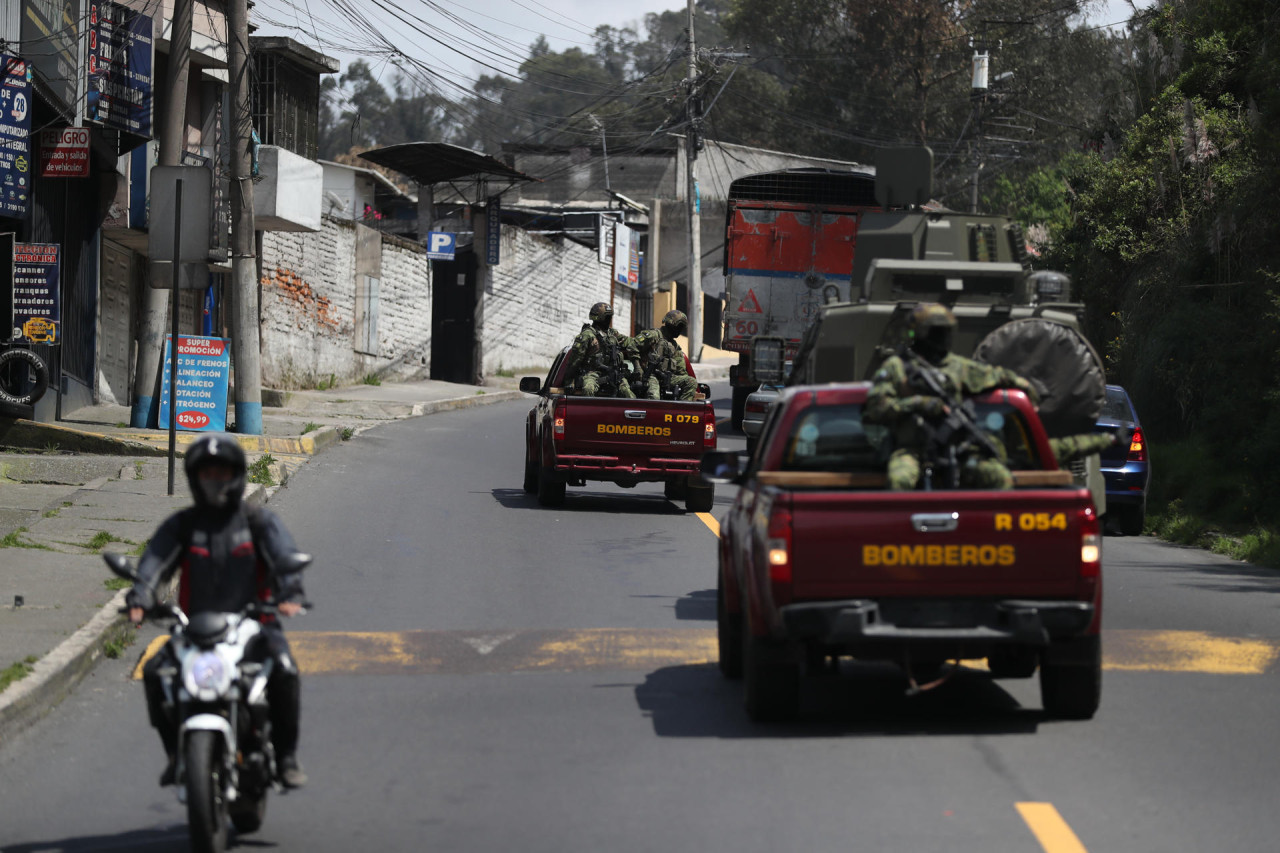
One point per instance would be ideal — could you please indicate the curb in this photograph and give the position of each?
(36, 435)
(56, 674)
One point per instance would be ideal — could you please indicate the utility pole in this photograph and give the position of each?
(173, 134)
(981, 67)
(692, 140)
(245, 348)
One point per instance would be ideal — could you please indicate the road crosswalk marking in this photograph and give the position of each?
(475, 652)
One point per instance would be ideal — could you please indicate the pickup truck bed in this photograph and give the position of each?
(817, 560)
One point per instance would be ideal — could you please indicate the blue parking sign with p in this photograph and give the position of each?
(440, 245)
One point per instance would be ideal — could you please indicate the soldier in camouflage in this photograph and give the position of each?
(1073, 447)
(896, 401)
(602, 361)
(663, 360)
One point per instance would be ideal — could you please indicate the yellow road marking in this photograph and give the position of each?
(1049, 828)
(710, 521)
(1187, 651)
(471, 652)
(152, 648)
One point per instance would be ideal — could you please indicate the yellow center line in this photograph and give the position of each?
(1049, 828)
(710, 521)
(152, 648)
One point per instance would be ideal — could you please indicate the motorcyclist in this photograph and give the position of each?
(227, 554)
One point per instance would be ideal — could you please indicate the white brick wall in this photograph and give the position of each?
(309, 307)
(536, 300)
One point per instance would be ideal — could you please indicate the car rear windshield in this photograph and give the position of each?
(834, 438)
(1117, 406)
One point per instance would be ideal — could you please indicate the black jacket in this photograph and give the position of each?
(226, 559)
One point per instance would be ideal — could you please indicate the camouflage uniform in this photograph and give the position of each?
(1074, 447)
(664, 360)
(895, 402)
(597, 353)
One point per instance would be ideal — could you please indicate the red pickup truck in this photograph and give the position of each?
(818, 560)
(570, 440)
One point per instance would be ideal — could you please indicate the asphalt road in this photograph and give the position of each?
(484, 674)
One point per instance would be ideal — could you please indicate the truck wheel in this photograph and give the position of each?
(1071, 685)
(739, 406)
(728, 635)
(1013, 663)
(700, 497)
(530, 475)
(550, 488)
(771, 676)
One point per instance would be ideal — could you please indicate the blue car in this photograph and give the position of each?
(1126, 468)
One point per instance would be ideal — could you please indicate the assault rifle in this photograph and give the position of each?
(956, 434)
(652, 368)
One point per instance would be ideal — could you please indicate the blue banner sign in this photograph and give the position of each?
(204, 365)
(15, 137)
(493, 231)
(120, 62)
(36, 305)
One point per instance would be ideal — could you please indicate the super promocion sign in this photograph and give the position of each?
(204, 365)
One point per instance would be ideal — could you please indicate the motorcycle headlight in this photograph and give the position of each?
(206, 676)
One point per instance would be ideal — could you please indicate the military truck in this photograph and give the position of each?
(977, 265)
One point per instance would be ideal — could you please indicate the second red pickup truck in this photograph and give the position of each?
(818, 560)
(570, 440)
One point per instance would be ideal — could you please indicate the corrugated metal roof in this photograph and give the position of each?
(437, 162)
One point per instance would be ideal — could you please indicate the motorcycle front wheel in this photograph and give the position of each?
(206, 807)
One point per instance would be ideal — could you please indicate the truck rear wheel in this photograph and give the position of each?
(739, 406)
(550, 487)
(699, 497)
(530, 475)
(675, 489)
(728, 635)
(771, 676)
(1071, 679)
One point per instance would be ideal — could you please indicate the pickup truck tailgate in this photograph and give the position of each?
(608, 426)
(970, 543)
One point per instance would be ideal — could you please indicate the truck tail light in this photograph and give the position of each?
(779, 554)
(557, 428)
(709, 431)
(757, 406)
(1137, 447)
(1090, 553)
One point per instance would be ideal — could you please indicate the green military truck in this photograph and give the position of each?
(977, 265)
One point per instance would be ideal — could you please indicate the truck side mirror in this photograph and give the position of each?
(722, 466)
(768, 360)
(530, 384)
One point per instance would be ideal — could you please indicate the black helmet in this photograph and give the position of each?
(675, 322)
(601, 309)
(210, 450)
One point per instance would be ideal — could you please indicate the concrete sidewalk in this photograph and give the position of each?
(89, 484)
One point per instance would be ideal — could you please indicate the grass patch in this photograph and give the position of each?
(310, 426)
(17, 671)
(114, 584)
(326, 384)
(137, 470)
(260, 470)
(122, 638)
(102, 539)
(480, 392)
(53, 513)
(1196, 500)
(372, 379)
(141, 547)
(121, 425)
(347, 432)
(14, 540)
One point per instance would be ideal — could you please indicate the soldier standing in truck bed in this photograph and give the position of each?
(602, 361)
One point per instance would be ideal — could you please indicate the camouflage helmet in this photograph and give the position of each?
(931, 315)
(601, 309)
(675, 321)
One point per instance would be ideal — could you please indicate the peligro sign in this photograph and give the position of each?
(64, 152)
